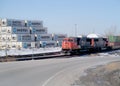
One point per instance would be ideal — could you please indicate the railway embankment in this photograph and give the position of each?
(103, 75)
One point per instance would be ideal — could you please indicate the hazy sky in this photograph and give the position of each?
(60, 16)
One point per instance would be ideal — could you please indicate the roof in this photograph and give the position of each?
(94, 36)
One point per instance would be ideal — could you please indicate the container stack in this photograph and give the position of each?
(114, 41)
(16, 33)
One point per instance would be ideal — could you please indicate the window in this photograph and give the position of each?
(96, 40)
(88, 40)
(70, 40)
(65, 40)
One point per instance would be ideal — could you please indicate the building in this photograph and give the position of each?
(16, 33)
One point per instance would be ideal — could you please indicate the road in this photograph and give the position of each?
(48, 72)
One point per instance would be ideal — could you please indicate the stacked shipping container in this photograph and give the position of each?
(114, 41)
(16, 33)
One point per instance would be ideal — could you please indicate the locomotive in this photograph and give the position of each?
(74, 45)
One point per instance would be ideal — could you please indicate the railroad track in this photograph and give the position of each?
(30, 56)
(48, 55)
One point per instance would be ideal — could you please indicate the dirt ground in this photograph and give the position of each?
(103, 75)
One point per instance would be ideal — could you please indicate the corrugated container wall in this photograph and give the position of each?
(13, 22)
(38, 30)
(59, 37)
(114, 38)
(48, 44)
(0, 22)
(25, 38)
(26, 44)
(44, 37)
(34, 23)
(20, 30)
(15, 30)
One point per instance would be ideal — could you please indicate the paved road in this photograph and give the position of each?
(48, 72)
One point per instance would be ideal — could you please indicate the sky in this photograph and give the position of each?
(67, 16)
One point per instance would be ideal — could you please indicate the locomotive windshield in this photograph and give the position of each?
(70, 40)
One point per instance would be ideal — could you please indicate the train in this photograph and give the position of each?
(90, 43)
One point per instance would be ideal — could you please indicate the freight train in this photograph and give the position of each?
(74, 45)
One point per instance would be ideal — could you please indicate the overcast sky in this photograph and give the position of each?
(60, 16)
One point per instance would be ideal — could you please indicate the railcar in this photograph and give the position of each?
(73, 45)
(114, 42)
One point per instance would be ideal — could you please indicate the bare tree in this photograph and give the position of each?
(111, 31)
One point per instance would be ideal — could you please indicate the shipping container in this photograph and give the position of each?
(38, 30)
(6, 30)
(34, 23)
(59, 37)
(44, 37)
(114, 42)
(48, 44)
(0, 22)
(5, 45)
(59, 43)
(3, 30)
(0, 29)
(114, 38)
(20, 30)
(13, 22)
(25, 37)
(23, 45)
(15, 30)
(5, 37)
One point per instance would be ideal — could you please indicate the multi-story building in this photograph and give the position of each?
(16, 33)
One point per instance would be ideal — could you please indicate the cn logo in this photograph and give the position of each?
(14, 30)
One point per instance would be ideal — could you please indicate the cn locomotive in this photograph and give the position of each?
(73, 45)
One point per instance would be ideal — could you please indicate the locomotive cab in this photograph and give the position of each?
(71, 44)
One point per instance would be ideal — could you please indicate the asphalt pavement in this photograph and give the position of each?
(48, 72)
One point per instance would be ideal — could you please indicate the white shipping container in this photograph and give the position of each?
(23, 45)
(13, 44)
(0, 22)
(48, 44)
(34, 23)
(6, 45)
(35, 44)
(59, 37)
(38, 30)
(44, 37)
(5, 30)
(5, 37)
(5, 22)
(15, 30)
(25, 37)
(0, 29)
(26, 44)
(13, 22)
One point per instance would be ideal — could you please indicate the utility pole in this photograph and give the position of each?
(6, 46)
(75, 30)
